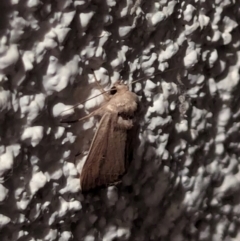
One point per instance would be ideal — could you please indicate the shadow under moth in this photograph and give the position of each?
(106, 160)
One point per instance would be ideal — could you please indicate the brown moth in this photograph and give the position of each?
(105, 163)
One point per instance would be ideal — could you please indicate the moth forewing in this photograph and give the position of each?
(105, 163)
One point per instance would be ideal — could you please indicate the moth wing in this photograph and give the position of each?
(97, 152)
(113, 167)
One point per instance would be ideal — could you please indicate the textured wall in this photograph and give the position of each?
(184, 180)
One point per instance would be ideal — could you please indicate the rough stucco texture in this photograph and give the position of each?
(184, 179)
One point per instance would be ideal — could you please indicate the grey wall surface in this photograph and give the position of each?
(183, 182)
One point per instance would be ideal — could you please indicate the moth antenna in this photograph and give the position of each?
(103, 92)
(106, 91)
(85, 101)
(157, 73)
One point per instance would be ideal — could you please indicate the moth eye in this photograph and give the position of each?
(113, 90)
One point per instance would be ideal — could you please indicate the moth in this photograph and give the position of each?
(105, 163)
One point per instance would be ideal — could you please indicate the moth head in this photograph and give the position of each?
(118, 86)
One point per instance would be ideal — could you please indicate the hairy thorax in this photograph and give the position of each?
(123, 102)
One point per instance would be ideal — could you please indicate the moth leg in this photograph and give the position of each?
(124, 124)
(78, 154)
(105, 94)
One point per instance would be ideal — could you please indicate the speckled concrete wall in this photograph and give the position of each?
(183, 182)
